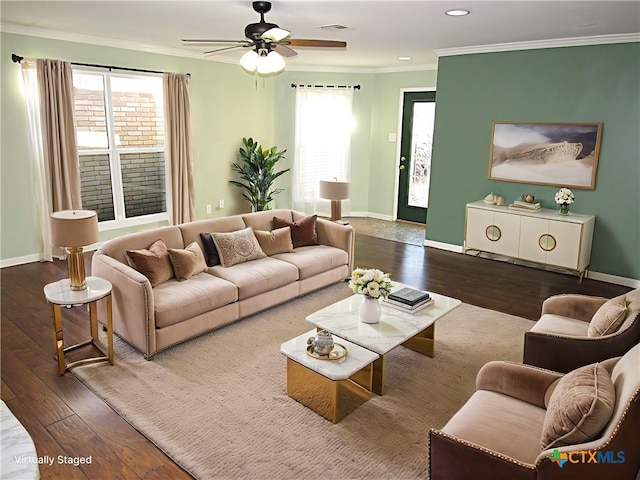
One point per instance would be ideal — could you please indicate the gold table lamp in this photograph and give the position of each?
(73, 230)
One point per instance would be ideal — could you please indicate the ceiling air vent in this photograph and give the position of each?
(332, 26)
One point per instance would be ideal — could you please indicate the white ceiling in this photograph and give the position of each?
(378, 31)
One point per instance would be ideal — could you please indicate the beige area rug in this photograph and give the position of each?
(217, 405)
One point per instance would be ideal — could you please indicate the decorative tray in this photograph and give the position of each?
(339, 351)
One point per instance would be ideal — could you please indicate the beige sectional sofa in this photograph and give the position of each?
(154, 318)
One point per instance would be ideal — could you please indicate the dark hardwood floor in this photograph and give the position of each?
(65, 418)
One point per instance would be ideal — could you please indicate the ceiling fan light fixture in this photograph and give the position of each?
(249, 61)
(270, 64)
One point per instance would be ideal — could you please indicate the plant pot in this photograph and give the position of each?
(370, 310)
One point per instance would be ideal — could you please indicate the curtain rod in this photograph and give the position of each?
(17, 59)
(355, 87)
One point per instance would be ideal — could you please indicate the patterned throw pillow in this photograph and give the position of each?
(188, 261)
(579, 407)
(275, 241)
(153, 262)
(237, 247)
(303, 231)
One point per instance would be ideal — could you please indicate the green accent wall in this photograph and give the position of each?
(574, 84)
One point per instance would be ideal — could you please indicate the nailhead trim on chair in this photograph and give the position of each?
(482, 449)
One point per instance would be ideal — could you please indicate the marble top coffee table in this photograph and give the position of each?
(413, 330)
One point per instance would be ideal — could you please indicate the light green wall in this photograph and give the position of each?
(578, 84)
(385, 111)
(225, 106)
(599, 83)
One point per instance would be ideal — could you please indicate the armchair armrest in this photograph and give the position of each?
(578, 307)
(133, 306)
(453, 458)
(523, 382)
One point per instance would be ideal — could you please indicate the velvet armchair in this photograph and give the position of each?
(575, 330)
(525, 422)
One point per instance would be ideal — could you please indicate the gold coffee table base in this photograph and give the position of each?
(332, 399)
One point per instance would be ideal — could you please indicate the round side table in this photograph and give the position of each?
(59, 294)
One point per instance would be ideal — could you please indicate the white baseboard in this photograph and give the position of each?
(602, 277)
(11, 262)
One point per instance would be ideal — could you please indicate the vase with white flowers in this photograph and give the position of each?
(372, 284)
(564, 198)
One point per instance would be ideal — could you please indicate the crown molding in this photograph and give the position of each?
(538, 44)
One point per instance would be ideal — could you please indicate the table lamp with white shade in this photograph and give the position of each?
(336, 192)
(73, 230)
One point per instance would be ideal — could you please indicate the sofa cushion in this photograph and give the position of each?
(500, 423)
(257, 276)
(152, 262)
(275, 241)
(311, 261)
(559, 325)
(264, 220)
(210, 251)
(237, 247)
(609, 317)
(579, 407)
(176, 301)
(186, 262)
(303, 231)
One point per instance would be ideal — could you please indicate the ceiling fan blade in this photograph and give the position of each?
(275, 34)
(283, 50)
(298, 42)
(234, 47)
(199, 41)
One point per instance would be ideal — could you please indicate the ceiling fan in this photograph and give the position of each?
(268, 43)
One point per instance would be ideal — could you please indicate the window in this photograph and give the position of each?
(120, 132)
(324, 122)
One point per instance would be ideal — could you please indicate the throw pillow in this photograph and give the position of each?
(579, 408)
(210, 250)
(608, 317)
(275, 241)
(303, 231)
(153, 262)
(237, 247)
(187, 261)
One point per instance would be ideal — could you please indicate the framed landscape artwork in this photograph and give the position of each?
(557, 154)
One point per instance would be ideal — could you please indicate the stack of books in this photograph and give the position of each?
(408, 300)
(518, 205)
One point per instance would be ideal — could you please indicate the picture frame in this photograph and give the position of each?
(555, 154)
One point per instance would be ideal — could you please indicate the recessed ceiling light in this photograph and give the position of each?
(404, 58)
(457, 12)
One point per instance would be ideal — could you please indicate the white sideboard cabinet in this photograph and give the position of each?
(542, 237)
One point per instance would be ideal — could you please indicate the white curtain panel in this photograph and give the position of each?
(324, 122)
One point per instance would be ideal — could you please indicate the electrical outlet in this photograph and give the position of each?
(221, 204)
(208, 208)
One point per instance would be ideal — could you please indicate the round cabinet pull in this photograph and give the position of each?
(493, 233)
(547, 242)
(401, 167)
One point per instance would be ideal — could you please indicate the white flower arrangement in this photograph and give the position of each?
(371, 283)
(564, 196)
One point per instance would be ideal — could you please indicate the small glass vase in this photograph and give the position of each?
(369, 311)
(564, 209)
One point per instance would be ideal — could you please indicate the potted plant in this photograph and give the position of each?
(257, 172)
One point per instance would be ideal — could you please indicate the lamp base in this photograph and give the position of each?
(75, 268)
(336, 210)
